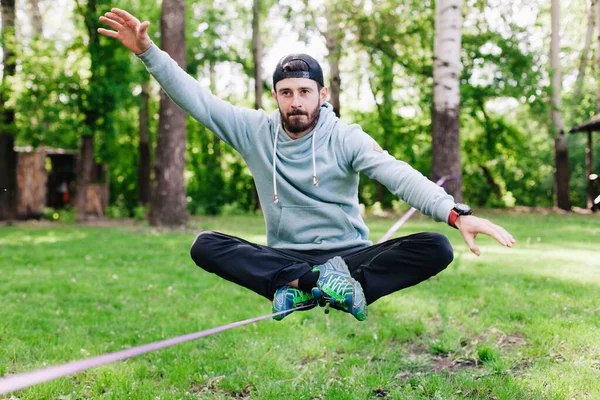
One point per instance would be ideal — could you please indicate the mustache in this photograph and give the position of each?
(297, 112)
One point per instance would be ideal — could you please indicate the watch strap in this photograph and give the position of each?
(452, 218)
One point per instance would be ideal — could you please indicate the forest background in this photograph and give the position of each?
(68, 83)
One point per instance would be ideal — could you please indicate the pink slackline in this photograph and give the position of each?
(27, 379)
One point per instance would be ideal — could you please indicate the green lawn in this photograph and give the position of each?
(521, 323)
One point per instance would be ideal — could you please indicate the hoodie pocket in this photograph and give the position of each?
(305, 224)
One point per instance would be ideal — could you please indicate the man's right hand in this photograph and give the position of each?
(129, 30)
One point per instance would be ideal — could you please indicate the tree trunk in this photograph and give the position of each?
(216, 142)
(85, 163)
(168, 200)
(588, 173)
(35, 15)
(597, 14)
(258, 82)
(257, 54)
(385, 111)
(446, 96)
(489, 178)
(584, 55)
(85, 160)
(144, 167)
(334, 54)
(560, 142)
(8, 157)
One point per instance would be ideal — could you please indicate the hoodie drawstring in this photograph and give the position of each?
(275, 195)
(315, 179)
(314, 161)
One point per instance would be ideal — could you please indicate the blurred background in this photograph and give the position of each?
(80, 114)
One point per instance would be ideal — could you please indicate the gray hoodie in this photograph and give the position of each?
(308, 187)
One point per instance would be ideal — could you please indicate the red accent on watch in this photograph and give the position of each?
(452, 218)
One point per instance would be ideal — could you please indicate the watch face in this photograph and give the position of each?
(463, 209)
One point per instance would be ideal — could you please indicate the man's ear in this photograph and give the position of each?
(274, 96)
(323, 95)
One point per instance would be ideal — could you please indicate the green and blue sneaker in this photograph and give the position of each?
(288, 298)
(337, 287)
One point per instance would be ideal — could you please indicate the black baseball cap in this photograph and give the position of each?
(314, 69)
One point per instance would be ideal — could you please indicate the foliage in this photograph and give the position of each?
(516, 323)
(66, 215)
(507, 151)
(49, 110)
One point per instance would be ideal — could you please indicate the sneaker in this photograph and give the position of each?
(288, 298)
(336, 287)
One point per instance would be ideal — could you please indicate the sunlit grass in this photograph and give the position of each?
(517, 323)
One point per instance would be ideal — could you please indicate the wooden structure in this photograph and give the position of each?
(592, 179)
(46, 177)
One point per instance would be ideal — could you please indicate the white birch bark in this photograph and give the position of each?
(446, 96)
(555, 67)
(591, 14)
(446, 52)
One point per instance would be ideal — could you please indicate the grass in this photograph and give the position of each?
(519, 323)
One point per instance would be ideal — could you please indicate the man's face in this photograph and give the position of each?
(299, 101)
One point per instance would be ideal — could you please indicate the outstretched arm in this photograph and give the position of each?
(470, 226)
(234, 125)
(128, 30)
(366, 156)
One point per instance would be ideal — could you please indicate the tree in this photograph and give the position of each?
(92, 105)
(328, 27)
(35, 16)
(144, 159)
(332, 36)
(257, 57)
(584, 54)
(446, 96)
(168, 198)
(597, 14)
(560, 142)
(385, 105)
(257, 54)
(8, 157)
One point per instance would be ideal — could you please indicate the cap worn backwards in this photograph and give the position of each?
(314, 69)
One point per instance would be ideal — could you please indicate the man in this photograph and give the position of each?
(305, 162)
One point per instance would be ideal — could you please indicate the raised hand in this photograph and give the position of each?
(469, 226)
(129, 30)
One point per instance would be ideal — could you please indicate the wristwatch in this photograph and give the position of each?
(458, 210)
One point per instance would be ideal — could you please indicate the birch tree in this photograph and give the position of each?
(591, 15)
(257, 54)
(560, 141)
(168, 198)
(33, 9)
(333, 35)
(446, 95)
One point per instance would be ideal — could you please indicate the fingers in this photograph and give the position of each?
(144, 27)
(510, 240)
(108, 33)
(115, 17)
(502, 236)
(470, 240)
(112, 23)
(124, 15)
(471, 226)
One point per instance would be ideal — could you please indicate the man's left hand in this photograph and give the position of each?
(470, 226)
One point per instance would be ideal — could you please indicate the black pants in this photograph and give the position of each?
(381, 269)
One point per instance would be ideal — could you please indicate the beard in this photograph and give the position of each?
(294, 123)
